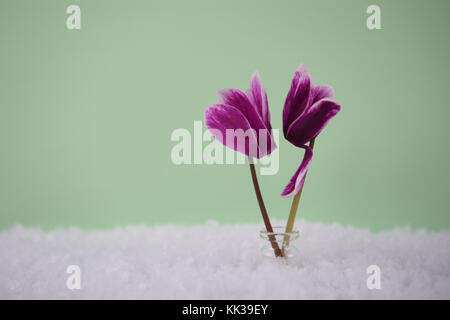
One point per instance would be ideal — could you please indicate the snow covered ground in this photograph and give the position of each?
(213, 261)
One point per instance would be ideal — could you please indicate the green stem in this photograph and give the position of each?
(264, 214)
(293, 211)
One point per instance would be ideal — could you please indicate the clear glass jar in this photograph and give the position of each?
(279, 239)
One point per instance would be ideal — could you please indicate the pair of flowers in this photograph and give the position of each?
(307, 110)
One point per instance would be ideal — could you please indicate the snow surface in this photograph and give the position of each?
(213, 261)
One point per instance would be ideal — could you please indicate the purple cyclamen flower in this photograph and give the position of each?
(307, 110)
(241, 121)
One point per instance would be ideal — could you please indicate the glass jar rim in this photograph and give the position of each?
(279, 231)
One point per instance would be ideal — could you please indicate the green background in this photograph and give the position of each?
(86, 115)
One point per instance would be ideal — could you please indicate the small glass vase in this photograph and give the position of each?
(279, 239)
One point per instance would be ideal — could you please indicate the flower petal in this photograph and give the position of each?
(258, 96)
(298, 178)
(240, 101)
(223, 120)
(310, 124)
(298, 97)
(321, 92)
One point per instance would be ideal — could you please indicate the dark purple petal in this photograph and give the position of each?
(240, 101)
(258, 96)
(321, 92)
(298, 178)
(311, 123)
(298, 97)
(227, 121)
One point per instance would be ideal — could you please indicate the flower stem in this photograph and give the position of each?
(265, 217)
(293, 212)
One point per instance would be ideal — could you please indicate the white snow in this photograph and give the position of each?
(213, 261)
